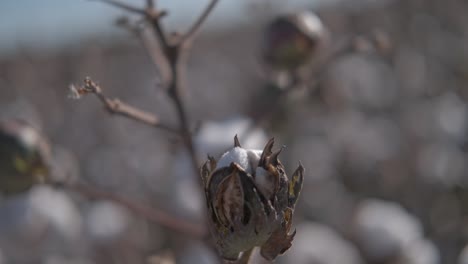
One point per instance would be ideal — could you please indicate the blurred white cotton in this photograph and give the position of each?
(28, 219)
(383, 229)
(106, 221)
(421, 252)
(58, 208)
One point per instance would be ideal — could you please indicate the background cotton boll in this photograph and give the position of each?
(58, 208)
(421, 251)
(290, 41)
(106, 222)
(317, 243)
(40, 219)
(24, 157)
(383, 229)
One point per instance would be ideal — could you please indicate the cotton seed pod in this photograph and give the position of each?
(250, 201)
(24, 157)
(290, 41)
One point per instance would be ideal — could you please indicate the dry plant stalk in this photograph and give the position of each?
(169, 57)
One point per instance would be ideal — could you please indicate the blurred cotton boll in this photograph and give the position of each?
(290, 41)
(317, 243)
(384, 229)
(420, 252)
(24, 157)
(105, 222)
(27, 220)
(58, 208)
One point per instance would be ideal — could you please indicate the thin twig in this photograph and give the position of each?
(176, 56)
(160, 217)
(115, 106)
(197, 24)
(154, 19)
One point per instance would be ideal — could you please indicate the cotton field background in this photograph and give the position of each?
(380, 124)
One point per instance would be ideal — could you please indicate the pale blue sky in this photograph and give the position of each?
(48, 23)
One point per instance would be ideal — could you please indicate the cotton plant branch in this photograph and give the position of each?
(157, 216)
(168, 52)
(116, 106)
(171, 61)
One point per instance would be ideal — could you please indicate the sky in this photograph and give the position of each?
(46, 24)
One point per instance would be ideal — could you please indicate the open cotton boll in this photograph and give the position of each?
(246, 158)
(237, 155)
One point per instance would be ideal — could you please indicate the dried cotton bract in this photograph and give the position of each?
(250, 201)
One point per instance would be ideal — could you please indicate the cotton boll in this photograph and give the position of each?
(42, 214)
(383, 229)
(58, 208)
(212, 139)
(421, 251)
(106, 221)
(237, 155)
